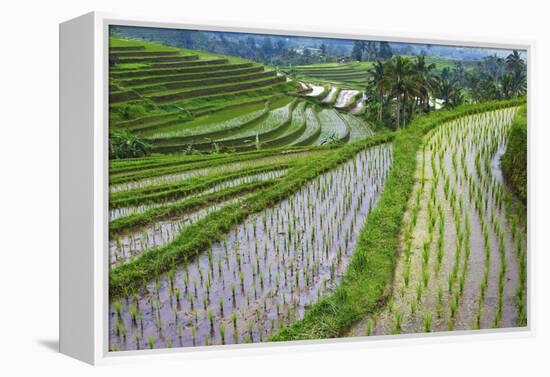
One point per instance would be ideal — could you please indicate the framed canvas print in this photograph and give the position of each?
(227, 187)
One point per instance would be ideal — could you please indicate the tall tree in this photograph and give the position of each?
(385, 51)
(371, 51)
(357, 50)
(401, 82)
(514, 62)
(376, 84)
(427, 80)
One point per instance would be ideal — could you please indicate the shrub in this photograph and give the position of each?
(514, 160)
(125, 144)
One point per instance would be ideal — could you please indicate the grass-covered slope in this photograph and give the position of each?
(180, 100)
(514, 160)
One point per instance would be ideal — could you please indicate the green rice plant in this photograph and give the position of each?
(439, 304)
(193, 333)
(222, 332)
(426, 253)
(211, 317)
(425, 276)
(427, 322)
(368, 327)
(397, 322)
(453, 304)
(118, 308)
(407, 273)
(419, 292)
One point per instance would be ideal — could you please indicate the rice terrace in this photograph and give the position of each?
(274, 188)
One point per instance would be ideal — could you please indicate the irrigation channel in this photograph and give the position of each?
(265, 272)
(463, 260)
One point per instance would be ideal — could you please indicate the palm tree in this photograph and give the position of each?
(449, 92)
(427, 80)
(507, 86)
(519, 83)
(514, 62)
(401, 82)
(375, 84)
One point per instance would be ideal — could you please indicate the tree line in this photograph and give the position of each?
(400, 87)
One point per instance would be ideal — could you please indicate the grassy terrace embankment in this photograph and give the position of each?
(514, 160)
(367, 281)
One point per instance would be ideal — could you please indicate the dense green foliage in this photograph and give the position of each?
(514, 160)
(368, 279)
(125, 144)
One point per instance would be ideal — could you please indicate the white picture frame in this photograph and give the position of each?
(84, 190)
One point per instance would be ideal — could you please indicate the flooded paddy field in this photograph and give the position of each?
(210, 170)
(116, 213)
(463, 244)
(266, 271)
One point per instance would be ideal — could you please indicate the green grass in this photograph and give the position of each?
(514, 160)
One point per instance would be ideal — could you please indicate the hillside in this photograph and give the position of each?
(178, 100)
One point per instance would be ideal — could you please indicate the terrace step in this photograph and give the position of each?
(116, 97)
(156, 59)
(131, 54)
(206, 82)
(191, 76)
(218, 134)
(216, 89)
(175, 71)
(191, 63)
(236, 142)
(295, 131)
(126, 48)
(313, 128)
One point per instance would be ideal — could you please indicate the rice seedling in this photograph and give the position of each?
(368, 327)
(427, 322)
(397, 322)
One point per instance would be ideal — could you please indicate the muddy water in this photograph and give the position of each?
(115, 213)
(267, 270)
(344, 97)
(440, 302)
